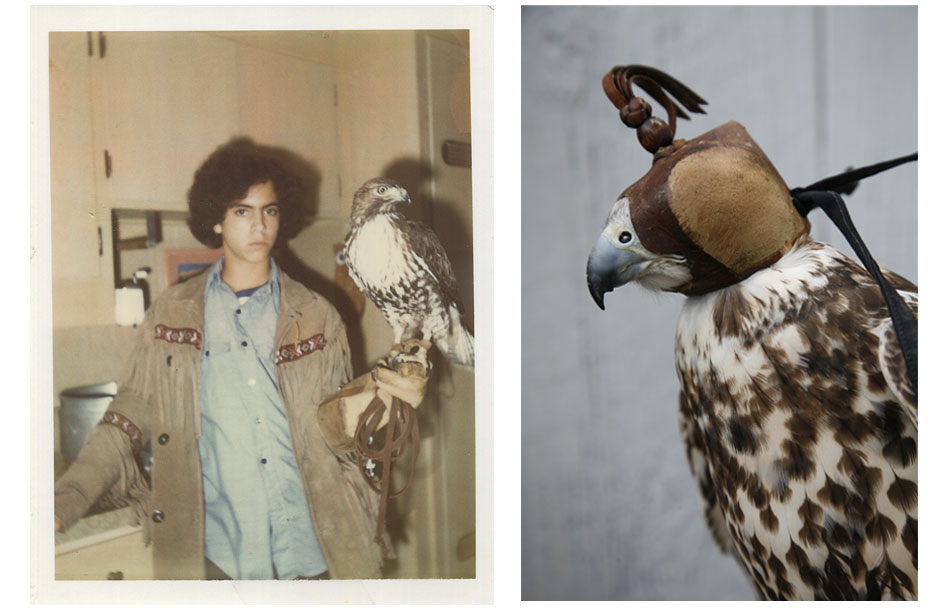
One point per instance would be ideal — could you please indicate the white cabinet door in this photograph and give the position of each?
(82, 269)
(168, 99)
(288, 102)
(165, 101)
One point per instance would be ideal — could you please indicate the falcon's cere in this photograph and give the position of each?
(798, 418)
(401, 266)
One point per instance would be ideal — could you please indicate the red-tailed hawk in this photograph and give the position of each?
(401, 266)
(796, 410)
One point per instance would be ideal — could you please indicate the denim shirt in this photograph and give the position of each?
(257, 523)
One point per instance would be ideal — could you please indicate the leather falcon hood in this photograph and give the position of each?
(717, 200)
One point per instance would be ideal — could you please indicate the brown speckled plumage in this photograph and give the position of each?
(801, 428)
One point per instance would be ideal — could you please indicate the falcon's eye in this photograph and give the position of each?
(625, 237)
(382, 189)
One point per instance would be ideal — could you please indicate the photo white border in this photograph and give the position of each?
(479, 21)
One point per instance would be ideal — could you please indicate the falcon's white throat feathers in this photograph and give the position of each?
(402, 268)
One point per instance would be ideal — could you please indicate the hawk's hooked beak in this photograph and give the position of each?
(403, 195)
(611, 266)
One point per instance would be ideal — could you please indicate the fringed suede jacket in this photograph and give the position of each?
(158, 401)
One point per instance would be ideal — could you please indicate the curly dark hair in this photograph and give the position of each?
(225, 178)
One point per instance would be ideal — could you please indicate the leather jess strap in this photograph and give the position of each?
(402, 430)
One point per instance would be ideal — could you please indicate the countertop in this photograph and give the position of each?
(94, 525)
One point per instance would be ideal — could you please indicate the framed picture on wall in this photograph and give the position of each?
(181, 264)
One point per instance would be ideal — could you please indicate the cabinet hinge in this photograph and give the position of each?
(107, 164)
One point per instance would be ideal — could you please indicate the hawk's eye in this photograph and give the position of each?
(625, 237)
(382, 189)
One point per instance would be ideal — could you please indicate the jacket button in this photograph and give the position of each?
(163, 439)
(157, 516)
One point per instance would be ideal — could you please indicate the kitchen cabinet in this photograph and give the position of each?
(82, 264)
(290, 102)
(166, 100)
(163, 102)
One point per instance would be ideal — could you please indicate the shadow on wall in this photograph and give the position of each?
(327, 287)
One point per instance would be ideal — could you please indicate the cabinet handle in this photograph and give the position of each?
(107, 164)
(455, 153)
(102, 44)
(100, 243)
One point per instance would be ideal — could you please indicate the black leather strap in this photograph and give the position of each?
(848, 180)
(905, 323)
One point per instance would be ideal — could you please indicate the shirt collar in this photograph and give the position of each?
(214, 280)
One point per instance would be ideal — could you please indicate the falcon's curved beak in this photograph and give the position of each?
(610, 266)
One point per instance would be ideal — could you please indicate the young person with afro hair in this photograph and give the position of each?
(225, 383)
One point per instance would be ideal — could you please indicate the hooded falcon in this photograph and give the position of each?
(796, 409)
(401, 266)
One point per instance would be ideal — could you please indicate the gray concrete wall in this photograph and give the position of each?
(609, 509)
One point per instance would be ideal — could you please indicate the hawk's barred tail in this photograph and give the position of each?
(458, 345)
